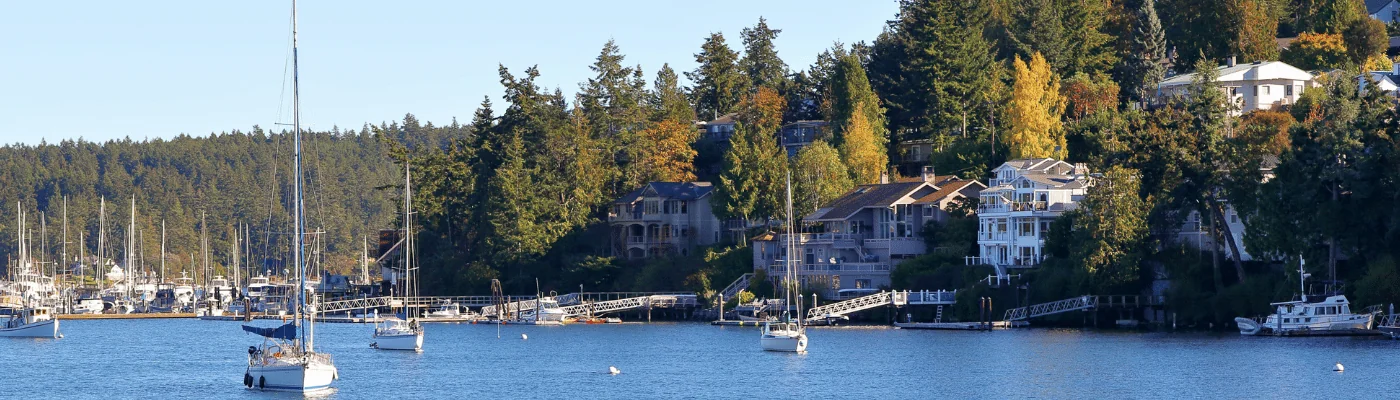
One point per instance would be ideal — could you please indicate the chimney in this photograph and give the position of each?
(884, 178)
(1231, 63)
(1395, 69)
(928, 174)
(1081, 169)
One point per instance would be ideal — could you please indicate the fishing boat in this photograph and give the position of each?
(28, 322)
(287, 360)
(1307, 316)
(788, 334)
(403, 333)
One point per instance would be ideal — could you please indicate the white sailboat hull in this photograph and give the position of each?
(412, 341)
(792, 342)
(310, 377)
(41, 329)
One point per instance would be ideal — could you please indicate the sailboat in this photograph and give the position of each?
(287, 360)
(22, 314)
(403, 333)
(788, 334)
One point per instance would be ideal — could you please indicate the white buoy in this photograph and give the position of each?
(524, 337)
(1339, 368)
(613, 370)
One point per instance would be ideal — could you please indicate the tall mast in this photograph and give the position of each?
(101, 240)
(409, 283)
(300, 222)
(64, 264)
(162, 251)
(130, 246)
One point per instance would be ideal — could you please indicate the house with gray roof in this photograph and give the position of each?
(1387, 11)
(1261, 85)
(1021, 200)
(663, 218)
(854, 241)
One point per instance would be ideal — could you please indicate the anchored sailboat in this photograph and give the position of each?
(406, 333)
(287, 360)
(788, 334)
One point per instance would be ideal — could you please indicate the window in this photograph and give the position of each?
(1027, 227)
(684, 205)
(685, 230)
(1266, 89)
(653, 207)
(1256, 90)
(914, 153)
(810, 258)
(1234, 218)
(1288, 90)
(1044, 228)
(836, 281)
(862, 283)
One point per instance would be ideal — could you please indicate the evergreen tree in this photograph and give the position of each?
(1141, 69)
(865, 158)
(668, 98)
(755, 167)
(1327, 16)
(615, 102)
(761, 62)
(718, 81)
(1111, 230)
(851, 94)
(1036, 106)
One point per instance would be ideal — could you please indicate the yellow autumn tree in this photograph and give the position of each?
(1036, 106)
(864, 156)
(667, 155)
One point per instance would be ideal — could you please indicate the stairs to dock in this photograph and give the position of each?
(740, 284)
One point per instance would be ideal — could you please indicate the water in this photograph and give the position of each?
(189, 358)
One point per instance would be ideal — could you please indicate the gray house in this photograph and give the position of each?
(663, 218)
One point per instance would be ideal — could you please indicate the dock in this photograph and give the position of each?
(953, 326)
(125, 316)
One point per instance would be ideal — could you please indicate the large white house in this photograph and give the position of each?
(1262, 85)
(1021, 200)
(663, 218)
(857, 239)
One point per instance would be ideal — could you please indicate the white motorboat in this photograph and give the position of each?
(220, 291)
(1303, 316)
(28, 322)
(447, 309)
(87, 306)
(398, 334)
(1332, 315)
(184, 291)
(789, 335)
(287, 359)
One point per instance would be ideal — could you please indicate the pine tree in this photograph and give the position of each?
(818, 177)
(946, 76)
(719, 82)
(1035, 110)
(668, 98)
(850, 95)
(615, 102)
(865, 158)
(761, 62)
(511, 212)
(1142, 70)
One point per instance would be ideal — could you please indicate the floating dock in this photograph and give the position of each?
(954, 326)
(125, 316)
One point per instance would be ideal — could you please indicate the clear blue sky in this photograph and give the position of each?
(102, 70)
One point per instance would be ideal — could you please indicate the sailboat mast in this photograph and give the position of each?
(299, 215)
(409, 284)
(101, 241)
(64, 263)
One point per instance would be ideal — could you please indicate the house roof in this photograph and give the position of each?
(1246, 72)
(1033, 164)
(949, 188)
(726, 119)
(669, 190)
(937, 179)
(867, 196)
(1374, 6)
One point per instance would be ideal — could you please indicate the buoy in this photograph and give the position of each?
(1339, 368)
(524, 337)
(613, 370)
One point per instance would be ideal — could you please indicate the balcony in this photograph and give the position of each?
(824, 269)
(1010, 262)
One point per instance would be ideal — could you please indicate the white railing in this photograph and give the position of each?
(738, 285)
(631, 303)
(925, 297)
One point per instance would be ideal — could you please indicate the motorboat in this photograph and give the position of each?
(28, 322)
(220, 291)
(87, 306)
(1302, 316)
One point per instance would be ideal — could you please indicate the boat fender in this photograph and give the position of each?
(247, 380)
(335, 375)
(262, 382)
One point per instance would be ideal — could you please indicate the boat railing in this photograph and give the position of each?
(322, 358)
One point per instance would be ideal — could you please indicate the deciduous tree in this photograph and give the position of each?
(1036, 106)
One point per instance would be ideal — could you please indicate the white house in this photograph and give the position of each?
(1386, 11)
(1386, 81)
(859, 238)
(1262, 85)
(663, 218)
(1021, 200)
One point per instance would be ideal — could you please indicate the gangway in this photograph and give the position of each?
(1086, 302)
(362, 303)
(895, 298)
(631, 303)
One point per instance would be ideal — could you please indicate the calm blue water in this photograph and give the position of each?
(205, 359)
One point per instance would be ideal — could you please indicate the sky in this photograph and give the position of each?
(102, 70)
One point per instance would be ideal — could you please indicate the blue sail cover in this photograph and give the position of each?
(284, 332)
